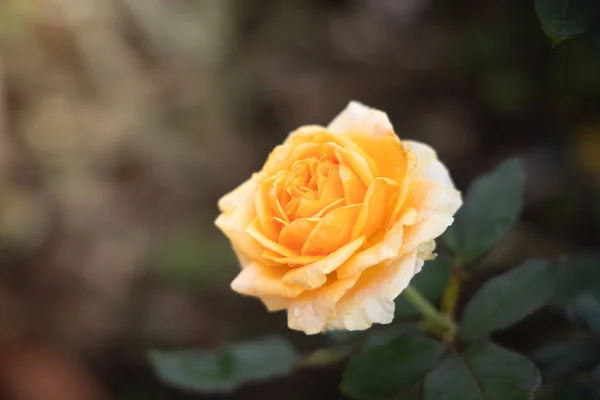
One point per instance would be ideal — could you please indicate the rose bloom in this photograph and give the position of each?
(338, 221)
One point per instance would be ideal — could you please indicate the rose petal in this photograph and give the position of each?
(375, 207)
(358, 117)
(373, 133)
(258, 280)
(308, 208)
(358, 163)
(314, 275)
(277, 198)
(310, 311)
(294, 235)
(428, 166)
(265, 213)
(388, 248)
(333, 188)
(354, 188)
(275, 303)
(238, 196)
(236, 220)
(253, 230)
(436, 205)
(290, 261)
(333, 231)
(371, 299)
(334, 205)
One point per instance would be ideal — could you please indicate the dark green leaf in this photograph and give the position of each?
(586, 308)
(226, 368)
(560, 359)
(430, 282)
(579, 274)
(565, 19)
(381, 372)
(508, 298)
(492, 206)
(388, 334)
(484, 372)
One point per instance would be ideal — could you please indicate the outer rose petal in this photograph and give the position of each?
(371, 300)
(390, 247)
(314, 275)
(372, 131)
(433, 194)
(238, 214)
(311, 311)
(256, 280)
(428, 166)
(238, 196)
(357, 117)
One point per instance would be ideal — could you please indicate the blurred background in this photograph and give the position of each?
(123, 121)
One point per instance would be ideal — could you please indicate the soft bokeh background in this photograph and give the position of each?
(123, 121)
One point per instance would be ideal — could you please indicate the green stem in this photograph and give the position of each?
(433, 319)
(452, 293)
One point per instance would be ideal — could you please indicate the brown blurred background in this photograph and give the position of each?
(123, 121)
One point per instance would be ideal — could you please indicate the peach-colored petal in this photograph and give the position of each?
(389, 247)
(373, 210)
(290, 261)
(257, 280)
(238, 196)
(358, 163)
(308, 208)
(275, 303)
(265, 213)
(358, 117)
(330, 207)
(371, 299)
(311, 311)
(436, 205)
(253, 230)
(314, 275)
(276, 198)
(373, 133)
(333, 231)
(427, 164)
(236, 220)
(294, 235)
(333, 188)
(354, 188)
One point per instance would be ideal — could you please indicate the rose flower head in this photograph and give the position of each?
(338, 221)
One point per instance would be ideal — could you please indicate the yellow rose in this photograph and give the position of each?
(338, 221)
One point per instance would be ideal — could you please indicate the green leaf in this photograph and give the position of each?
(381, 372)
(586, 308)
(492, 205)
(565, 19)
(557, 360)
(226, 368)
(579, 274)
(508, 298)
(384, 336)
(431, 282)
(484, 371)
